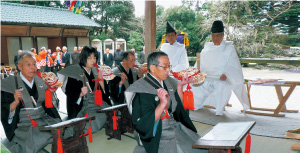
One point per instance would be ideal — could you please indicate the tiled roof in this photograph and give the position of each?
(22, 13)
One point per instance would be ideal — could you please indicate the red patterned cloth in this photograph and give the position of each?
(43, 62)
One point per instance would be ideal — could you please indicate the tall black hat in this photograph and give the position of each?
(169, 28)
(217, 27)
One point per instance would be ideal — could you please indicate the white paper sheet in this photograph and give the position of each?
(227, 131)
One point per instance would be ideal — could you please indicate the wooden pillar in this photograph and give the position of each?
(198, 61)
(150, 27)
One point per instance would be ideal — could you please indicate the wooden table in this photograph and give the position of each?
(281, 107)
(124, 122)
(225, 136)
(292, 135)
(72, 144)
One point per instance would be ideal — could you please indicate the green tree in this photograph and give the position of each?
(184, 19)
(52, 3)
(136, 41)
(112, 16)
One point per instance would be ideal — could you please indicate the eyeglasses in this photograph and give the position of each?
(132, 61)
(165, 67)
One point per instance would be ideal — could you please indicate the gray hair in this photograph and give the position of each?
(64, 47)
(43, 48)
(153, 58)
(25, 54)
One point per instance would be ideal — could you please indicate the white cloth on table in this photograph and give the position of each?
(177, 56)
(215, 61)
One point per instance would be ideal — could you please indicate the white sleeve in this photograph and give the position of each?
(64, 79)
(78, 101)
(11, 116)
(183, 62)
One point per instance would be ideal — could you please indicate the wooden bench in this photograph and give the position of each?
(74, 143)
(225, 136)
(124, 123)
(281, 107)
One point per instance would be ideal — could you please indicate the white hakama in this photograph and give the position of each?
(215, 61)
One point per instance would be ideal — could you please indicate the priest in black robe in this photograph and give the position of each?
(160, 120)
(26, 91)
(126, 73)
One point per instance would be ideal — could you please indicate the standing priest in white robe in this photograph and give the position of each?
(175, 51)
(220, 62)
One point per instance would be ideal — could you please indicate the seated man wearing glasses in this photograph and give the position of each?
(125, 74)
(158, 116)
(175, 51)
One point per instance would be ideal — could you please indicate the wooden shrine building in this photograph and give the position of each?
(28, 26)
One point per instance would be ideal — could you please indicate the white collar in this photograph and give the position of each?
(124, 67)
(87, 71)
(221, 44)
(26, 81)
(161, 82)
(174, 44)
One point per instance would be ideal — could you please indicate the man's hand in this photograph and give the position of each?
(84, 91)
(140, 72)
(18, 97)
(185, 80)
(223, 77)
(63, 64)
(163, 95)
(123, 78)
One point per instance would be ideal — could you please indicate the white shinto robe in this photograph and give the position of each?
(177, 56)
(215, 61)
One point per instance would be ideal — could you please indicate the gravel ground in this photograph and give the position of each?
(265, 96)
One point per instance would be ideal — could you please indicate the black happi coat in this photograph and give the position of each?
(118, 98)
(143, 117)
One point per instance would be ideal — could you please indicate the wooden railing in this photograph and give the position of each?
(267, 61)
(262, 61)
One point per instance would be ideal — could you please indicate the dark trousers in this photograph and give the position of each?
(117, 62)
(43, 68)
(17, 68)
(57, 68)
(48, 69)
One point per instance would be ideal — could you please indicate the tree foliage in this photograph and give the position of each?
(52, 3)
(257, 28)
(184, 19)
(136, 41)
(113, 16)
